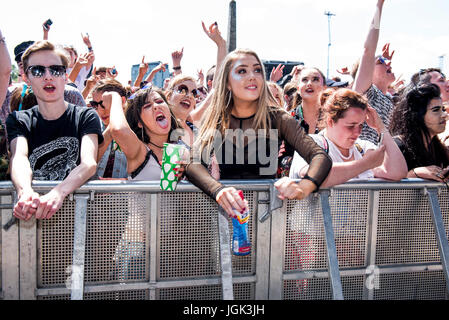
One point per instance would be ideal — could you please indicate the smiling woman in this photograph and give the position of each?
(244, 130)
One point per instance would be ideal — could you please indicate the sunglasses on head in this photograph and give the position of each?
(94, 104)
(185, 90)
(39, 71)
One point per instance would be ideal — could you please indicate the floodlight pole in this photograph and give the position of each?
(329, 15)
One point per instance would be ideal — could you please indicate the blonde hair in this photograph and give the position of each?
(219, 111)
(175, 81)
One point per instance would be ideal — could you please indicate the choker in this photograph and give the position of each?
(160, 147)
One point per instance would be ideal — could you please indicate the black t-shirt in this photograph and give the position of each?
(54, 146)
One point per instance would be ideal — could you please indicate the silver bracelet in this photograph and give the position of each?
(2, 40)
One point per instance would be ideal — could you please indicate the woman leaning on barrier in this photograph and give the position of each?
(240, 106)
(345, 112)
(416, 121)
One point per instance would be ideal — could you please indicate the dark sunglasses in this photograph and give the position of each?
(94, 104)
(185, 90)
(39, 71)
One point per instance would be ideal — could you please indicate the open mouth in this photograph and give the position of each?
(185, 104)
(49, 88)
(309, 90)
(251, 87)
(162, 121)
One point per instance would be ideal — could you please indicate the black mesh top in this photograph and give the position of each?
(245, 154)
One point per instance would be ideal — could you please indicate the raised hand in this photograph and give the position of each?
(386, 52)
(143, 67)
(277, 73)
(86, 40)
(177, 57)
(213, 32)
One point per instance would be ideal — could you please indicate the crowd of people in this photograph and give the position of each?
(71, 120)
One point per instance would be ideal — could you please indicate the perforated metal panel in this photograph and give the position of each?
(429, 285)
(55, 245)
(242, 291)
(405, 230)
(320, 289)
(188, 234)
(116, 248)
(112, 295)
(305, 247)
(189, 242)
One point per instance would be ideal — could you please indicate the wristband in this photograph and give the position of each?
(177, 68)
(90, 49)
(307, 177)
(2, 40)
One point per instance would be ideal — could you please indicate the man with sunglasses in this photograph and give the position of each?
(373, 77)
(54, 140)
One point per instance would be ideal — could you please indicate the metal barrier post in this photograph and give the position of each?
(440, 232)
(10, 252)
(225, 255)
(334, 272)
(79, 246)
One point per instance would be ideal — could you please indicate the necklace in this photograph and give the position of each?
(160, 147)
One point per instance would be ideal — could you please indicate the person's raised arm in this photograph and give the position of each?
(122, 133)
(51, 202)
(5, 68)
(214, 34)
(87, 42)
(143, 68)
(176, 59)
(160, 67)
(364, 77)
(85, 60)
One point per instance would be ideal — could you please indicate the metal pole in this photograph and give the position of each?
(329, 15)
(232, 27)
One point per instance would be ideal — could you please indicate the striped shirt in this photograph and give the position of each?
(383, 105)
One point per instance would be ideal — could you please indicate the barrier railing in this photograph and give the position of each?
(129, 240)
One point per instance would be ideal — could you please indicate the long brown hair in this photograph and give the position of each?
(219, 112)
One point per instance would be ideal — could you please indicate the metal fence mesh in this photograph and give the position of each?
(187, 245)
(405, 230)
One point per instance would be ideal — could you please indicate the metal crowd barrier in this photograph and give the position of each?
(129, 240)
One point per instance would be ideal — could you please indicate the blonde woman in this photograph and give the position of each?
(241, 108)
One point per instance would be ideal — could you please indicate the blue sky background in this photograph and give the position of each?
(123, 31)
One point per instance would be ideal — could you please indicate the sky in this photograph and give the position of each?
(122, 32)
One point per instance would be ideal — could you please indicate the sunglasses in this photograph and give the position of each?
(382, 60)
(39, 71)
(183, 89)
(94, 104)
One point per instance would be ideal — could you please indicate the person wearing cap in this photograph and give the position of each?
(52, 141)
(374, 75)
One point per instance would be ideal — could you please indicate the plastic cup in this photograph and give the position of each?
(172, 153)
